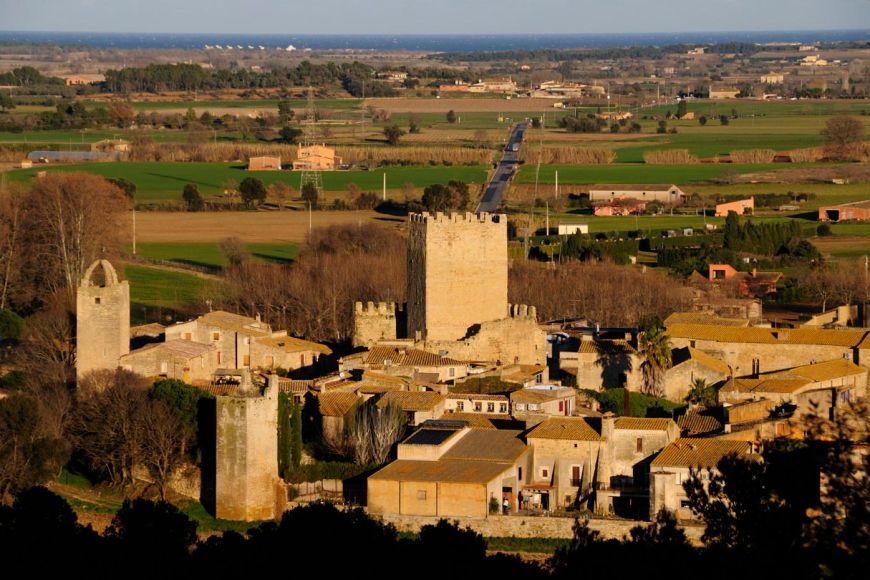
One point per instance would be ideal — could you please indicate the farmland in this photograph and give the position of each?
(209, 255)
(164, 181)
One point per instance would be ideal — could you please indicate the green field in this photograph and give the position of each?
(234, 104)
(77, 140)
(642, 173)
(164, 181)
(152, 287)
(715, 142)
(210, 255)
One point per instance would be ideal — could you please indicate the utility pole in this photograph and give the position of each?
(557, 184)
(134, 228)
(547, 214)
(385, 186)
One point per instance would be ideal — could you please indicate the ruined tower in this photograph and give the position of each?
(247, 487)
(457, 273)
(102, 319)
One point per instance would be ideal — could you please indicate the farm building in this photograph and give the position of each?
(645, 192)
(316, 157)
(568, 228)
(264, 164)
(740, 207)
(859, 210)
(723, 92)
(619, 207)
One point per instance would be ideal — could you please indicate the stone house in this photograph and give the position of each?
(175, 359)
(420, 406)
(688, 365)
(476, 403)
(674, 464)
(543, 400)
(603, 364)
(264, 164)
(406, 361)
(335, 408)
(664, 193)
(445, 470)
(630, 445)
(286, 352)
(231, 334)
(564, 453)
(316, 158)
(756, 350)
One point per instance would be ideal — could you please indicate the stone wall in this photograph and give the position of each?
(531, 526)
(457, 273)
(375, 321)
(679, 379)
(247, 484)
(102, 320)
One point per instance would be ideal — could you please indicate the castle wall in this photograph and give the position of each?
(247, 484)
(457, 273)
(102, 320)
(375, 321)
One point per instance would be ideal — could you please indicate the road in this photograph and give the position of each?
(494, 194)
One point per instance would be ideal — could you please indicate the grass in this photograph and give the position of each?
(164, 180)
(532, 545)
(238, 104)
(641, 173)
(208, 523)
(153, 287)
(210, 255)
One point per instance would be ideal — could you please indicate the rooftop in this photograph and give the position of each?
(410, 357)
(564, 428)
(336, 403)
(484, 420)
(532, 395)
(443, 470)
(703, 318)
(684, 355)
(293, 344)
(411, 400)
(706, 453)
(180, 348)
(618, 346)
(846, 338)
(235, 322)
(489, 445)
(643, 423)
(631, 187)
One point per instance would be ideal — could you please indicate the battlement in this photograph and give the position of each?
(377, 308)
(457, 218)
(522, 311)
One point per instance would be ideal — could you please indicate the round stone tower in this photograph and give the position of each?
(102, 319)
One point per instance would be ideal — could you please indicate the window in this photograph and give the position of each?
(575, 475)
(639, 444)
(478, 407)
(684, 503)
(520, 407)
(187, 336)
(561, 406)
(692, 343)
(519, 473)
(97, 300)
(246, 360)
(490, 407)
(545, 473)
(502, 408)
(421, 494)
(452, 372)
(460, 406)
(215, 335)
(218, 357)
(539, 378)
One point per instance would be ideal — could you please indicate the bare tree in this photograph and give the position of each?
(820, 282)
(374, 432)
(235, 251)
(281, 192)
(164, 438)
(11, 218)
(47, 352)
(72, 219)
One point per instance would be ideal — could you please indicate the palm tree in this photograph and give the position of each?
(701, 393)
(654, 347)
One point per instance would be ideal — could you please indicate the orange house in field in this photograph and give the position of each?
(740, 207)
(317, 158)
(755, 283)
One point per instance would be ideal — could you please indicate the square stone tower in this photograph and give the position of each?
(457, 273)
(102, 319)
(247, 487)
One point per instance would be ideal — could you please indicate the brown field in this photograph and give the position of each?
(460, 105)
(251, 227)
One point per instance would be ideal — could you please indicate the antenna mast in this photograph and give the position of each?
(310, 169)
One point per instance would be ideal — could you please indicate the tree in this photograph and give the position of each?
(142, 528)
(663, 127)
(285, 111)
(11, 237)
(702, 120)
(164, 441)
(413, 124)
(437, 197)
(310, 194)
(374, 431)
(6, 102)
(192, 198)
(11, 327)
(281, 192)
(682, 108)
(125, 185)
(481, 138)
(289, 134)
(253, 191)
(843, 130)
(393, 133)
(121, 113)
(235, 251)
(26, 457)
(654, 347)
(451, 116)
(701, 393)
(724, 120)
(72, 219)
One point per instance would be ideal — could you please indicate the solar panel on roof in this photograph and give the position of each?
(429, 437)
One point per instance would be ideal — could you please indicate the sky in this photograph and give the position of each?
(431, 16)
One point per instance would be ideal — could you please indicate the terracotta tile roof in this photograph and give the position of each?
(411, 400)
(407, 357)
(825, 371)
(236, 323)
(336, 404)
(502, 445)
(643, 423)
(765, 385)
(844, 338)
(482, 420)
(181, 348)
(703, 317)
(226, 390)
(293, 344)
(452, 471)
(153, 329)
(704, 453)
(700, 357)
(618, 346)
(476, 397)
(529, 395)
(294, 386)
(698, 423)
(565, 428)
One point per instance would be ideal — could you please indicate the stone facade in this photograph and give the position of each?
(247, 484)
(377, 321)
(231, 334)
(102, 319)
(457, 273)
(568, 466)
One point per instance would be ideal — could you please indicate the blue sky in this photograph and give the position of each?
(431, 16)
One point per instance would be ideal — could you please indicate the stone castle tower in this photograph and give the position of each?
(102, 319)
(247, 487)
(457, 273)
